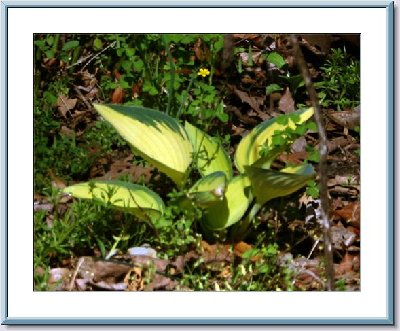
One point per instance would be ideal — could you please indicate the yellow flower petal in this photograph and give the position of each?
(203, 72)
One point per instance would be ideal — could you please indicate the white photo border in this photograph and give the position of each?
(20, 305)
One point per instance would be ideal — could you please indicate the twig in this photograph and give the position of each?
(183, 106)
(89, 107)
(71, 284)
(80, 61)
(312, 274)
(172, 74)
(323, 153)
(97, 55)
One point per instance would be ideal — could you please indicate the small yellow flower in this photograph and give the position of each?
(203, 72)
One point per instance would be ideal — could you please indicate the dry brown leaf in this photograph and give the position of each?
(286, 102)
(342, 237)
(305, 199)
(110, 286)
(117, 74)
(350, 213)
(241, 248)
(339, 142)
(65, 105)
(134, 279)
(161, 282)
(98, 270)
(136, 89)
(299, 145)
(58, 275)
(56, 182)
(319, 44)
(201, 50)
(125, 167)
(348, 119)
(89, 85)
(349, 180)
(118, 95)
(237, 130)
(296, 158)
(253, 101)
(346, 265)
(43, 206)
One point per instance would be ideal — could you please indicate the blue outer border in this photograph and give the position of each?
(195, 321)
(4, 158)
(389, 5)
(390, 176)
(198, 4)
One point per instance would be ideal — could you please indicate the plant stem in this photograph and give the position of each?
(172, 78)
(323, 152)
(182, 107)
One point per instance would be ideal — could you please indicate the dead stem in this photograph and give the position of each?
(323, 153)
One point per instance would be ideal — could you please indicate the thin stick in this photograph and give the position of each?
(71, 284)
(82, 98)
(97, 55)
(323, 153)
(172, 74)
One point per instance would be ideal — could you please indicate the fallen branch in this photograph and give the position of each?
(323, 153)
(96, 55)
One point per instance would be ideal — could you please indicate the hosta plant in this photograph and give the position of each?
(176, 149)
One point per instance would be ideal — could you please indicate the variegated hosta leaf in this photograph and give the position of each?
(231, 208)
(132, 198)
(268, 184)
(302, 169)
(208, 189)
(155, 136)
(249, 148)
(208, 154)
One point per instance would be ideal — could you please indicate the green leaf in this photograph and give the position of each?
(223, 117)
(208, 189)
(272, 88)
(138, 64)
(129, 52)
(208, 154)
(312, 189)
(50, 53)
(276, 59)
(97, 44)
(150, 88)
(268, 184)
(218, 45)
(249, 149)
(231, 209)
(132, 198)
(312, 126)
(294, 82)
(70, 45)
(155, 136)
(39, 43)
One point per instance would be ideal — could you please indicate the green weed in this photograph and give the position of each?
(340, 85)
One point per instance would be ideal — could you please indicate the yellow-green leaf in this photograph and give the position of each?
(132, 198)
(249, 148)
(268, 184)
(209, 189)
(231, 209)
(208, 154)
(155, 136)
(302, 169)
